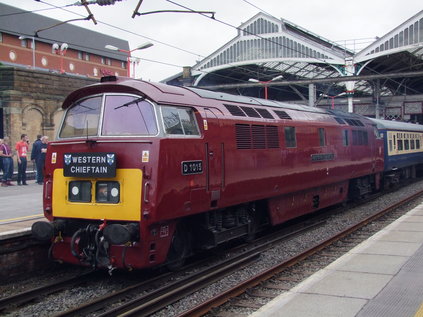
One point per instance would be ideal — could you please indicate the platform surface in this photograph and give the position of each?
(20, 206)
(383, 276)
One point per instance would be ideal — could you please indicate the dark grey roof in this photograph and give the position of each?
(20, 22)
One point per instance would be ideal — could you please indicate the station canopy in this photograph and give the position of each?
(268, 51)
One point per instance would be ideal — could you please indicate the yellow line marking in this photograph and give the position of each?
(21, 218)
(419, 313)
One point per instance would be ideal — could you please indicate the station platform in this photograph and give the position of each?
(383, 276)
(20, 207)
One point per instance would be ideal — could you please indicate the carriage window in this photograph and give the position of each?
(82, 118)
(399, 145)
(128, 115)
(406, 144)
(290, 139)
(179, 121)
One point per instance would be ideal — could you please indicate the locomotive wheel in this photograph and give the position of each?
(180, 248)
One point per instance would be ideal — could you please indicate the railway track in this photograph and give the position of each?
(8, 303)
(155, 297)
(152, 302)
(271, 278)
(160, 297)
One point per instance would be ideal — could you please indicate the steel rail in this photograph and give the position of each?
(156, 300)
(38, 292)
(153, 301)
(241, 288)
(100, 303)
(165, 299)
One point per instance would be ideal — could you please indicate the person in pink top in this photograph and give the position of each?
(22, 149)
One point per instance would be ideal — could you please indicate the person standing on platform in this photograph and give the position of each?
(6, 156)
(35, 152)
(1, 158)
(41, 158)
(22, 149)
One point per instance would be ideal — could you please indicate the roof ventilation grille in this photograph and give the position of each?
(282, 115)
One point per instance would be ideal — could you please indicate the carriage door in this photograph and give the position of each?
(214, 152)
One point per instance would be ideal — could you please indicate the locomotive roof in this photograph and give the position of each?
(162, 92)
(159, 92)
(252, 100)
(396, 125)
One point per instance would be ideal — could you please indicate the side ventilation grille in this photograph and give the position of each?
(243, 136)
(272, 137)
(256, 137)
(259, 136)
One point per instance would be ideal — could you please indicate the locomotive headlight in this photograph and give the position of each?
(108, 192)
(80, 191)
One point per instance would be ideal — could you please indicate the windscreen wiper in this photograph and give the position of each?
(131, 102)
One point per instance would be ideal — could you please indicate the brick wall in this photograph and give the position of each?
(73, 62)
(31, 101)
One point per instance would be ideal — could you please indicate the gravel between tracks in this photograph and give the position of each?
(54, 304)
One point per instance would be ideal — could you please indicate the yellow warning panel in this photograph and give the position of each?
(128, 208)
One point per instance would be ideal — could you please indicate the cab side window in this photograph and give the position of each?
(179, 121)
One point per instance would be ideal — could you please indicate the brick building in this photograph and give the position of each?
(34, 79)
(35, 41)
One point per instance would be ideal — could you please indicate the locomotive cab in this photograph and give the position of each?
(94, 176)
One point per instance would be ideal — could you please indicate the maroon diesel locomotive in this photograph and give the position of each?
(143, 174)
